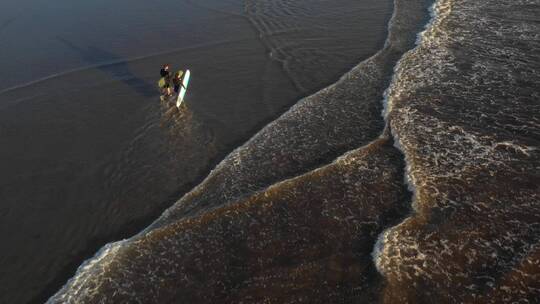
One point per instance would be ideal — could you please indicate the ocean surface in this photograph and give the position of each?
(89, 155)
(412, 175)
(414, 178)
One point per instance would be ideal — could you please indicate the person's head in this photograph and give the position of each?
(165, 67)
(179, 74)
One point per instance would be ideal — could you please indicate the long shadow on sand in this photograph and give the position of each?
(113, 65)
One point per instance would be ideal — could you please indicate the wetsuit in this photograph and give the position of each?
(164, 73)
(164, 82)
(177, 81)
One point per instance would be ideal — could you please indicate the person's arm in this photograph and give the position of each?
(181, 82)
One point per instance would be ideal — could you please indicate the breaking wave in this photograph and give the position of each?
(464, 110)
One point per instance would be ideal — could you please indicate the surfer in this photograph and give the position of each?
(177, 81)
(165, 71)
(164, 87)
(164, 81)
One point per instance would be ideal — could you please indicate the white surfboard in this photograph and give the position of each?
(183, 89)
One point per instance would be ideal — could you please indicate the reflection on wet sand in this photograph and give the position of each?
(189, 134)
(305, 239)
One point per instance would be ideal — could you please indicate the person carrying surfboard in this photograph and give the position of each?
(177, 81)
(180, 81)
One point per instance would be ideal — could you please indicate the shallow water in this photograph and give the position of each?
(89, 155)
(271, 223)
(305, 239)
(464, 110)
(314, 207)
(201, 246)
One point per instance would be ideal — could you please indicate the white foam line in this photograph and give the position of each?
(418, 42)
(387, 107)
(105, 251)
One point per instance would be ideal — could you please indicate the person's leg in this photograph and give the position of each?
(166, 89)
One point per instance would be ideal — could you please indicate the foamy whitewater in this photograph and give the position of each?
(271, 224)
